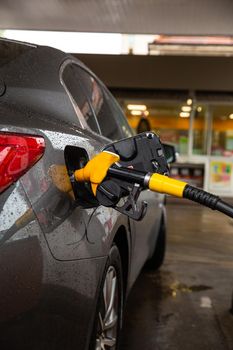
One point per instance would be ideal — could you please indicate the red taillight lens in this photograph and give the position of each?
(18, 153)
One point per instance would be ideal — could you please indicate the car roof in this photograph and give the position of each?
(30, 74)
(11, 49)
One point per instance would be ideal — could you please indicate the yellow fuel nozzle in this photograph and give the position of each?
(96, 169)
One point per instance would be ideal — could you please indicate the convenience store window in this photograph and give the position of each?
(222, 131)
(178, 137)
(201, 126)
(164, 118)
(196, 128)
(202, 135)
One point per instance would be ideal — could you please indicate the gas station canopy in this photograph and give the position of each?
(177, 17)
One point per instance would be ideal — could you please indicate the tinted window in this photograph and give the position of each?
(80, 86)
(111, 119)
(112, 122)
(99, 108)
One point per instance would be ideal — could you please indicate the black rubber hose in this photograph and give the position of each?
(225, 208)
(207, 199)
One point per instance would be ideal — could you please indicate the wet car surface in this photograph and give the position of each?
(66, 269)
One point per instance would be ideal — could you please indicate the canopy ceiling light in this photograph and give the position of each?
(137, 107)
(184, 114)
(186, 108)
(136, 112)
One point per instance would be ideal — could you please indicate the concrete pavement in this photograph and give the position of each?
(185, 305)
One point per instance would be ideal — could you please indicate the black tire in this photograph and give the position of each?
(157, 259)
(112, 276)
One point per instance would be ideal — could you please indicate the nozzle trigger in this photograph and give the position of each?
(131, 208)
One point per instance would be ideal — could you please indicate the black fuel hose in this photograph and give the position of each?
(207, 199)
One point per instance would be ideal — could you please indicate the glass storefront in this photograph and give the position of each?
(201, 131)
(222, 131)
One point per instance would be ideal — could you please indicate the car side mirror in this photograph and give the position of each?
(170, 153)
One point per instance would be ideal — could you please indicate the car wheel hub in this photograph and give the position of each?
(108, 314)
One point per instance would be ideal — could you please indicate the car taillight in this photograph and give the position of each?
(18, 153)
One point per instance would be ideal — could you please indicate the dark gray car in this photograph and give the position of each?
(65, 270)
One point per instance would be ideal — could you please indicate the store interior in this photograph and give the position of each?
(200, 130)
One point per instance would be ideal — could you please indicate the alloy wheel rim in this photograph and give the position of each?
(106, 337)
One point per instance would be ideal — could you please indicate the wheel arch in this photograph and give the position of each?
(121, 241)
(162, 221)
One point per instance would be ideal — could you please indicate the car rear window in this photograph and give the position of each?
(77, 84)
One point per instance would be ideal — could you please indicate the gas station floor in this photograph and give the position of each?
(185, 305)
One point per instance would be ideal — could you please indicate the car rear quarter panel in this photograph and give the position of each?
(71, 232)
(44, 303)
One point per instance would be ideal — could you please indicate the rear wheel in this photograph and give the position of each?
(109, 310)
(157, 259)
